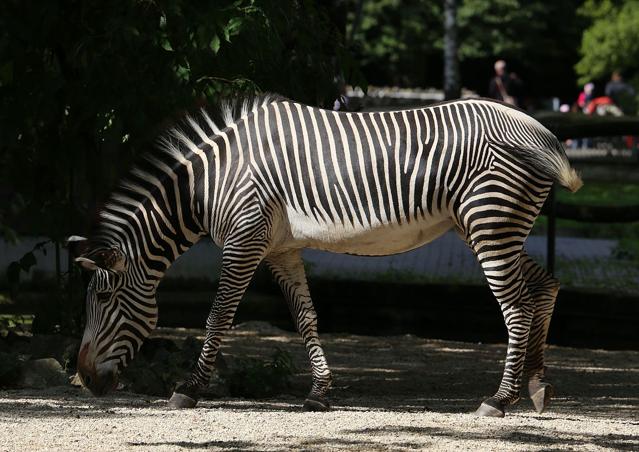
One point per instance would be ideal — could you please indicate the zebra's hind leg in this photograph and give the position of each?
(288, 269)
(543, 289)
(501, 262)
(239, 262)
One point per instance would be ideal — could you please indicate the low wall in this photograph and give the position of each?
(464, 313)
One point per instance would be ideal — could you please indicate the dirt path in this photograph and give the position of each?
(396, 393)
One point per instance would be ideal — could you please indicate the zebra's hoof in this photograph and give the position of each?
(315, 403)
(178, 400)
(541, 396)
(490, 408)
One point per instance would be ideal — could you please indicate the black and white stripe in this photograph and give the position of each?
(283, 176)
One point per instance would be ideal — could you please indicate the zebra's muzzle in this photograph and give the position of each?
(99, 379)
(99, 383)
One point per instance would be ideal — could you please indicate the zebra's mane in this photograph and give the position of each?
(172, 147)
(231, 110)
(208, 123)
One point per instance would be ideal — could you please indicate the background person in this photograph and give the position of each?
(585, 96)
(621, 93)
(503, 86)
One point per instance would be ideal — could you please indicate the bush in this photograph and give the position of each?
(254, 378)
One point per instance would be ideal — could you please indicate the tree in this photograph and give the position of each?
(537, 38)
(402, 43)
(393, 40)
(85, 86)
(611, 42)
(451, 67)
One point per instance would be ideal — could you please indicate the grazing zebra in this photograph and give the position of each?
(281, 176)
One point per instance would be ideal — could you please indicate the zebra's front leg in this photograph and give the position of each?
(239, 263)
(505, 278)
(544, 289)
(288, 269)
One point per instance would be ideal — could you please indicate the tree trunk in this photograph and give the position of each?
(451, 65)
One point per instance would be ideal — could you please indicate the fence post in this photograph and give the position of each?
(552, 231)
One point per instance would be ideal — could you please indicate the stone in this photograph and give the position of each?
(42, 373)
(62, 348)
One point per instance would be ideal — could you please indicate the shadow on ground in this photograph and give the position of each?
(397, 392)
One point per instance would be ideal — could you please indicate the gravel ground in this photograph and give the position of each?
(390, 393)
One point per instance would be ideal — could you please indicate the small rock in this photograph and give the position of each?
(42, 373)
(62, 348)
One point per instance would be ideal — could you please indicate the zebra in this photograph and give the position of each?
(277, 176)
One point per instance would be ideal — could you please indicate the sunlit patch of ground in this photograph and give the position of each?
(395, 393)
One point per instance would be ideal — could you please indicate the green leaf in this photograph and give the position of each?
(215, 44)
(166, 45)
(232, 28)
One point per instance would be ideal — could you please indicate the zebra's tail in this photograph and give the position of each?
(551, 162)
(569, 178)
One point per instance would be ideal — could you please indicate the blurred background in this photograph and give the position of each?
(86, 86)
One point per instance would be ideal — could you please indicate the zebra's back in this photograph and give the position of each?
(374, 183)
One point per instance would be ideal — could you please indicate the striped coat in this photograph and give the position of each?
(280, 176)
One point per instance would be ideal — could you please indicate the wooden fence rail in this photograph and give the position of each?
(575, 125)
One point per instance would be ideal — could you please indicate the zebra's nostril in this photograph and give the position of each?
(87, 380)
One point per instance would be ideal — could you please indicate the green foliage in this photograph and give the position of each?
(254, 378)
(14, 322)
(599, 193)
(159, 364)
(524, 30)
(400, 42)
(395, 37)
(537, 36)
(612, 40)
(84, 86)
(491, 28)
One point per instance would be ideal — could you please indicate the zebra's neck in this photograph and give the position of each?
(155, 216)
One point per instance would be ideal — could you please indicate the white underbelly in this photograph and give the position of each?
(371, 240)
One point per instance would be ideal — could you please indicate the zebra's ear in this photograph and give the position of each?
(107, 258)
(77, 245)
(86, 263)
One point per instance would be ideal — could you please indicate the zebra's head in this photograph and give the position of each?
(120, 314)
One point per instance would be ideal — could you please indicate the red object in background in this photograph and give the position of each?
(602, 100)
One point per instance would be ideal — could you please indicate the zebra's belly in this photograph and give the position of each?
(379, 240)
